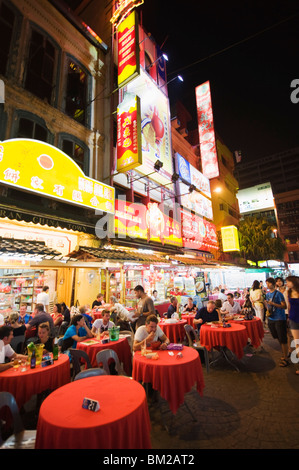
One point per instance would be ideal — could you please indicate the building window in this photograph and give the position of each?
(77, 150)
(41, 66)
(32, 127)
(76, 92)
(7, 21)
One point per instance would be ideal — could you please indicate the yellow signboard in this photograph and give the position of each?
(40, 168)
(129, 153)
(230, 238)
(128, 49)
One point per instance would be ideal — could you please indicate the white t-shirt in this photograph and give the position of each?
(121, 310)
(43, 298)
(5, 351)
(222, 296)
(141, 334)
(100, 327)
(227, 307)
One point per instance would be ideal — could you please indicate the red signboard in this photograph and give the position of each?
(128, 49)
(206, 132)
(198, 233)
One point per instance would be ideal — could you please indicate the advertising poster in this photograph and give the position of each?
(256, 198)
(230, 238)
(195, 201)
(129, 153)
(206, 132)
(40, 168)
(200, 286)
(198, 233)
(191, 175)
(155, 128)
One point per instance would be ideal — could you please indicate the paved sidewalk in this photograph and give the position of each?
(256, 408)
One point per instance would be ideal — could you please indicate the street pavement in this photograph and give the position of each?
(255, 408)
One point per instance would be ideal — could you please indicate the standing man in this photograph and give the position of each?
(277, 322)
(145, 306)
(43, 298)
(230, 307)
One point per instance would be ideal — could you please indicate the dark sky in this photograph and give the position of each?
(250, 82)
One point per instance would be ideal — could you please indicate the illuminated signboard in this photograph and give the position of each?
(146, 222)
(128, 133)
(256, 198)
(155, 128)
(230, 238)
(198, 233)
(206, 132)
(124, 7)
(45, 170)
(192, 176)
(195, 201)
(128, 50)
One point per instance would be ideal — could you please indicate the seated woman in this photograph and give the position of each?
(65, 312)
(19, 329)
(76, 332)
(190, 306)
(57, 315)
(44, 337)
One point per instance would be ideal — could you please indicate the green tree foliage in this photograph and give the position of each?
(257, 242)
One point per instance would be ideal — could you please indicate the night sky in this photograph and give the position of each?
(250, 82)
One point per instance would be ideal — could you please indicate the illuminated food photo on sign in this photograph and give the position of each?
(129, 153)
(206, 132)
(195, 201)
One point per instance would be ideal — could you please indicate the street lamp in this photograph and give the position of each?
(165, 57)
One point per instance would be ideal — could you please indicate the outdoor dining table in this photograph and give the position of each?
(173, 376)
(189, 317)
(122, 422)
(255, 330)
(23, 385)
(233, 338)
(121, 347)
(175, 332)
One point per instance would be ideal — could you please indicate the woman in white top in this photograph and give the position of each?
(121, 311)
(257, 299)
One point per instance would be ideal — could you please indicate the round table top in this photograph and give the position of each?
(234, 337)
(121, 422)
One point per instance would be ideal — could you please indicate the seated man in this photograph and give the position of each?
(101, 325)
(41, 317)
(6, 351)
(173, 307)
(206, 314)
(151, 334)
(230, 307)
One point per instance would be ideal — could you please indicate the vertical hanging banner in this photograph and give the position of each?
(129, 154)
(128, 49)
(208, 152)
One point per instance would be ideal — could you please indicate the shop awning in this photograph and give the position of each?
(85, 253)
(21, 249)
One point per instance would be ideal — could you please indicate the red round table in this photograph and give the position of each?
(22, 385)
(122, 421)
(170, 375)
(189, 317)
(233, 338)
(121, 347)
(255, 330)
(175, 332)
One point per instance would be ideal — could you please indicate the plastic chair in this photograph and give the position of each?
(62, 328)
(17, 344)
(194, 342)
(20, 439)
(130, 336)
(77, 355)
(104, 357)
(90, 373)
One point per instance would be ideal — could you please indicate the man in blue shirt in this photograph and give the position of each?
(277, 323)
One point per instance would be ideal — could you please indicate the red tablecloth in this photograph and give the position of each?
(162, 308)
(97, 315)
(240, 301)
(121, 347)
(174, 331)
(255, 330)
(189, 318)
(121, 423)
(234, 338)
(170, 375)
(23, 385)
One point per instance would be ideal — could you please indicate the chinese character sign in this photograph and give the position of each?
(41, 168)
(129, 153)
(206, 132)
(128, 49)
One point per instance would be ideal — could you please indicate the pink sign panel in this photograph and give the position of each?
(198, 233)
(206, 132)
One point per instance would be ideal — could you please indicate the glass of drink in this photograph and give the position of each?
(23, 365)
(16, 364)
